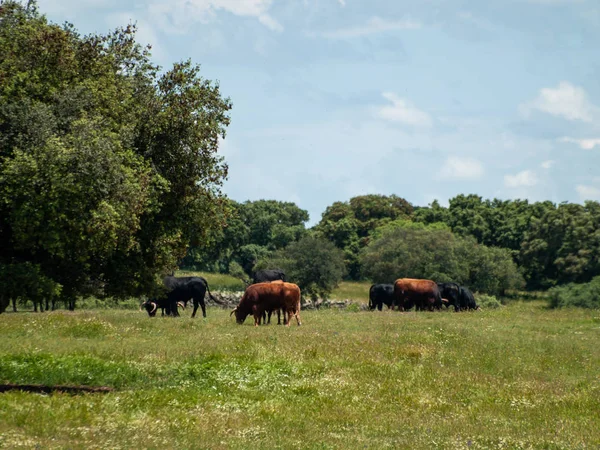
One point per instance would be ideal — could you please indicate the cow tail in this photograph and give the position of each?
(211, 296)
(370, 291)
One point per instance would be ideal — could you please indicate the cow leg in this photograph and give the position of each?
(270, 312)
(279, 317)
(297, 314)
(196, 304)
(203, 306)
(258, 314)
(14, 302)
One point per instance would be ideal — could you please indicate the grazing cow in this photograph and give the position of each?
(152, 306)
(262, 297)
(451, 293)
(380, 294)
(262, 276)
(467, 301)
(181, 290)
(424, 294)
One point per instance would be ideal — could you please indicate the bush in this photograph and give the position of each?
(402, 249)
(313, 263)
(584, 295)
(487, 301)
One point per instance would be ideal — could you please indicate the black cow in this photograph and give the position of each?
(380, 294)
(467, 301)
(180, 290)
(450, 292)
(152, 307)
(263, 276)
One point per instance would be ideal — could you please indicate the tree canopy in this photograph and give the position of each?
(109, 167)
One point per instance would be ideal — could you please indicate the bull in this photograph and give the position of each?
(262, 276)
(380, 294)
(467, 301)
(152, 307)
(181, 289)
(424, 294)
(267, 297)
(450, 292)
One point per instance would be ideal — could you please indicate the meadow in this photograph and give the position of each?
(521, 376)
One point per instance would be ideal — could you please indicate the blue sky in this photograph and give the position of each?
(425, 99)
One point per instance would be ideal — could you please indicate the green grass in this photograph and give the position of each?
(521, 376)
(351, 290)
(216, 281)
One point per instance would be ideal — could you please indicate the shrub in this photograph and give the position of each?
(584, 295)
(487, 301)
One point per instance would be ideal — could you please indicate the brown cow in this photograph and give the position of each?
(262, 297)
(424, 294)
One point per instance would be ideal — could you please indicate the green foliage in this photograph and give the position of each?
(108, 170)
(551, 244)
(413, 250)
(25, 281)
(253, 230)
(349, 224)
(563, 245)
(313, 263)
(582, 295)
(487, 301)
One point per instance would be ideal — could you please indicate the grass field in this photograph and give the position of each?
(518, 377)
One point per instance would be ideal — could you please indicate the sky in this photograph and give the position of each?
(425, 99)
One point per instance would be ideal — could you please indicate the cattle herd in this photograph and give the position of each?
(269, 292)
(422, 294)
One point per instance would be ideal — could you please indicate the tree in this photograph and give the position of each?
(253, 230)
(350, 224)
(562, 245)
(313, 263)
(403, 249)
(109, 171)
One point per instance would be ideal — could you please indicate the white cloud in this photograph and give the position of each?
(342, 2)
(566, 100)
(462, 168)
(548, 164)
(524, 178)
(588, 192)
(176, 16)
(374, 25)
(586, 144)
(403, 112)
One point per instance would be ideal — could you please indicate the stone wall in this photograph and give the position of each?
(229, 300)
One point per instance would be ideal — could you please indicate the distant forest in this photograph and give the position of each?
(383, 237)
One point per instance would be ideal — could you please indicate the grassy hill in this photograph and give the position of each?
(520, 376)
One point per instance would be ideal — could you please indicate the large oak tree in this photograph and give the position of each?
(108, 167)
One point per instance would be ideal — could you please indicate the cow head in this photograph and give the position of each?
(240, 315)
(150, 306)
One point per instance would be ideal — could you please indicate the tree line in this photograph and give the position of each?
(491, 245)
